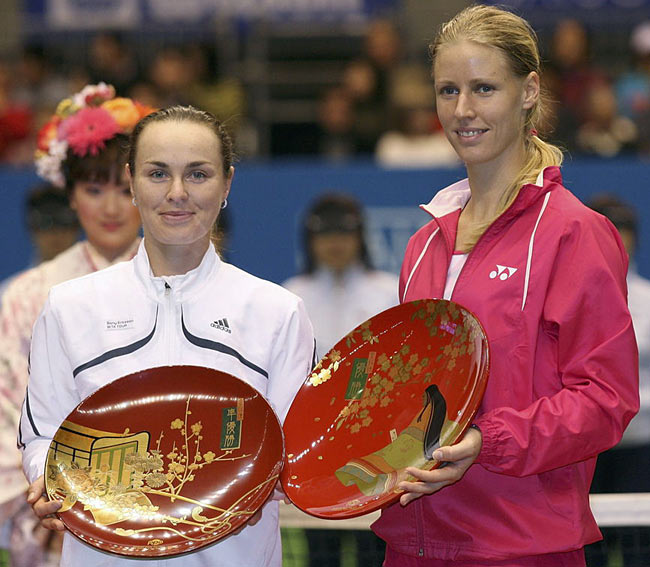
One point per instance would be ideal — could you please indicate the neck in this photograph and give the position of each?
(172, 260)
(110, 254)
(488, 184)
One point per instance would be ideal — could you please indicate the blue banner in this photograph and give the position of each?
(130, 14)
(267, 203)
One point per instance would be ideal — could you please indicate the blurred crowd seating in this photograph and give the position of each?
(331, 91)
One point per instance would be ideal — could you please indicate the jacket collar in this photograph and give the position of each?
(98, 262)
(328, 279)
(455, 197)
(182, 285)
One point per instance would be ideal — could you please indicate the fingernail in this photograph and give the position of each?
(437, 455)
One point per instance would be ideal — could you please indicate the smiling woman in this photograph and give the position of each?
(172, 293)
(563, 379)
(180, 177)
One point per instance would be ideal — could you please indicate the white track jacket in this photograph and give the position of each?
(122, 320)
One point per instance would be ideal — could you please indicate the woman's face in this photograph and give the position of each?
(179, 183)
(481, 104)
(336, 250)
(107, 215)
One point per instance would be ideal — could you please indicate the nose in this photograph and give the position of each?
(464, 107)
(176, 190)
(112, 203)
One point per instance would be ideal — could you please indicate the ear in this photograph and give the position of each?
(229, 178)
(129, 178)
(531, 90)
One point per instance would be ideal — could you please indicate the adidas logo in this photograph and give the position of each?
(502, 272)
(222, 325)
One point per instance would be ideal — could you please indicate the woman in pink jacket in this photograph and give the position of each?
(546, 277)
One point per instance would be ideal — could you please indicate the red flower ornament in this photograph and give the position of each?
(87, 131)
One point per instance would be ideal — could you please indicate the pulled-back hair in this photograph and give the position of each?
(184, 114)
(515, 38)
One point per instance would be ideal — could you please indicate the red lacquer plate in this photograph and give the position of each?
(164, 461)
(385, 397)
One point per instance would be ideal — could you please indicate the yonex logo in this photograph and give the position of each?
(502, 272)
(222, 325)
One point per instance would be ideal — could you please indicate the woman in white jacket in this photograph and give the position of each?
(168, 297)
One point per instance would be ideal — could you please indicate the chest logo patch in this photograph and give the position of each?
(119, 324)
(502, 272)
(222, 325)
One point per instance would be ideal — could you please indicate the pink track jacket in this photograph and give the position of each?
(547, 280)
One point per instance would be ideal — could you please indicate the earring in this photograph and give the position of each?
(224, 203)
(134, 203)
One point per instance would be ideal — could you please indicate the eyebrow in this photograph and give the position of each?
(191, 164)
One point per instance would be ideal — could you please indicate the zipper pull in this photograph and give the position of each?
(168, 289)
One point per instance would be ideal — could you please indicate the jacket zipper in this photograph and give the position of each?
(169, 320)
(419, 526)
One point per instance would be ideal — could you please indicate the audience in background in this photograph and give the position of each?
(604, 132)
(358, 107)
(16, 121)
(336, 120)
(52, 224)
(416, 138)
(37, 85)
(111, 61)
(569, 77)
(633, 86)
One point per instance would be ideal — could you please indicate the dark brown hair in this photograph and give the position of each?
(181, 114)
(334, 213)
(107, 165)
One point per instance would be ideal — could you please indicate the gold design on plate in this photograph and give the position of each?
(366, 333)
(323, 373)
(112, 475)
(391, 371)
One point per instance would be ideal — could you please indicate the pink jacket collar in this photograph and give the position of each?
(455, 196)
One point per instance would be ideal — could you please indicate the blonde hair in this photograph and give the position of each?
(516, 39)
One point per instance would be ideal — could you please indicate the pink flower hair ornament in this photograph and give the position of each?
(82, 124)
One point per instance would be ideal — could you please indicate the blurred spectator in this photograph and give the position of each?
(569, 77)
(210, 90)
(52, 224)
(605, 133)
(633, 87)
(417, 140)
(38, 85)
(171, 75)
(15, 123)
(112, 62)
(625, 467)
(146, 93)
(336, 122)
(340, 290)
(338, 284)
(369, 104)
(188, 74)
(369, 80)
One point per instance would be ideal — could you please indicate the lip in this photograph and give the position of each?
(470, 134)
(111, 226)
(176, 216)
